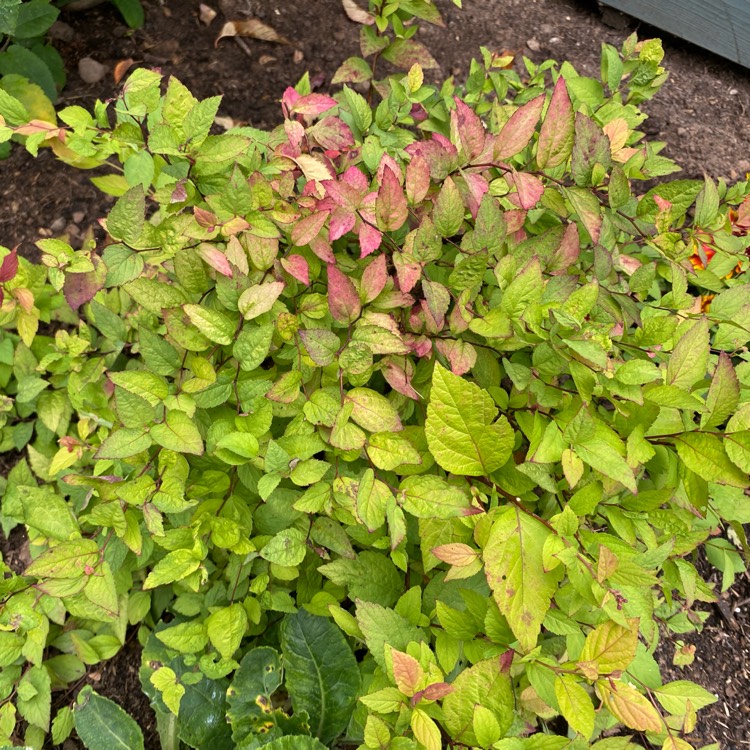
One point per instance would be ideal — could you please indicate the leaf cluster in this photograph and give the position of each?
(393, 427)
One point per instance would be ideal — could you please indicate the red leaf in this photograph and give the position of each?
(436, 691)
(388, 162)
(374, 278)
(476, 186)
(343, 300)
(467, 131)
(306, 229)
(206, 219)
(417, 179)
(461, 355)
(556, 135)
(519, 129)
(529, 189)
(9, 266)
(296, 266)
(322, 249)
(390, 207)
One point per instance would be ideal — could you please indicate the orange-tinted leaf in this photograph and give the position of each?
(519, 129)
(250, 27)
(556, 135)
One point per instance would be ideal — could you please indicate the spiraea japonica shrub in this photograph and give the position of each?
(395, 427)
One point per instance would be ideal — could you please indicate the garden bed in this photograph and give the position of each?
(45, 198)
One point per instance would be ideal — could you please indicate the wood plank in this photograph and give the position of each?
(722, 26)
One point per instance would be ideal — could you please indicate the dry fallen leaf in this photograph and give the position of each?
(206, 14)
(251, 27)
(356, 14)
(121, 68)
(298, 56)
(266, 59)
(227, 123)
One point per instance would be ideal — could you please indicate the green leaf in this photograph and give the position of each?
(460, 430)
(526, 289)
(187, 637)
(65, 560)
(214, 325)
(18, 60)
(34, 18)
(286, 548)
(127, 217)
(604, 452)
(226, 628)
(484, 684)
(383, 628)
(373, 411)
(575, 704)
(259, 298)
(432, 497)
(322, 675)
(611, 647)
(704, 454)
(298, 742)
(371, 577)
(689, 359)
(389, 450)
(448, 215)
(34, 697)
(102, 723)
(252, 345)
(124, 443)
(173, 567)
(513, 561)
(681, 697)
(178, 433)
(723, 395)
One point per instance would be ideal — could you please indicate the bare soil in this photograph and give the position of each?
(701, 113)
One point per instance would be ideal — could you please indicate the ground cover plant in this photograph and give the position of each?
(397, 426)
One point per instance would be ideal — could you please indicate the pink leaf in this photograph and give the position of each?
(417, 179)
(476, 187)
(439, 153)
(354, 177)
(216, 259)
(567, 254)
(322, 249)
(296, 266)
(343, 300)
(408, 271)
(388, 162)
(529, 189)
(519, 129)
(342, 221)
(374, 278)
(398, 373)
(313, 105)
(289, 98)
(332, 133)
(556, 135)
(295, 133)
(461, 355)
(9, 266)
(467, 131)
(369, 239)
(390, 207)
(306, 229)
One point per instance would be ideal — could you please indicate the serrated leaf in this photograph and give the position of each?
(704, 454)
(611, 647)
(723, 394)
(432, 497)
(513, 561)
(689, 359)
(682, 696)
(555, 142)
(214, 325)
(518, 131)
(575, 704)
(178, 433)
(383, 628)
(630, 707)
(391, 210)
(225, 629)
(460, 430)
(124, 443)
(448, 215)
(127, 217)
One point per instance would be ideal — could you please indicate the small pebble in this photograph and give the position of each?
(90, 70)
(78, 216)
(62, 31)
(555, 40)
(533, 45)
(58, 224)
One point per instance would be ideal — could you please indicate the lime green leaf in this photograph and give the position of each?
(187, 637)
(485, 684)
(432, 497)
(513, 560)
(383, 628)
(66, 560)
(723, 394)
(214, 325)
(689, 360)
(459, 427)
(575, 704)
(630, 707)
(611, 647)
(127, 217)
(681, 697)
(173, 567)
(225, 629)
(178, 433)
(704, 454)
(124, 443)
(373, 411)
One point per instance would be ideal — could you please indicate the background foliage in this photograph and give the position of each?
(395, 427)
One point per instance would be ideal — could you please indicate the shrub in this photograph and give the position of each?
(394, 427)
